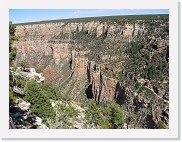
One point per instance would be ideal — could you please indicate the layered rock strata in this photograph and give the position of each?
(49, 46)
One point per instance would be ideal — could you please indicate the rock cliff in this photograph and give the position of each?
(71, 53)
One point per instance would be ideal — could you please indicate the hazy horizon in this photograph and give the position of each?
(36, 15)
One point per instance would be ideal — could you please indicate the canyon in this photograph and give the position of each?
(92, 59)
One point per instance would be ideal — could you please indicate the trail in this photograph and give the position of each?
(157, 95)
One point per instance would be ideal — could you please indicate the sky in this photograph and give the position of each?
(32, 15)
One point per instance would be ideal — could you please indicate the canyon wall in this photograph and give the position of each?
(65, 62)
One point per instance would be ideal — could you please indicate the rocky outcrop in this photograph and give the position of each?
(80, 67)
(24, 106)
(108, 91)
(103, 88)
(30, 73)
(22, 118)
(60, 51)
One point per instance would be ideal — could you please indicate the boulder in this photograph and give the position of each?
(25, 106)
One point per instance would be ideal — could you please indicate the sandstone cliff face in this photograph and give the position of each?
(49, 46)
(103, 88)
(80, 66)
(44, 39)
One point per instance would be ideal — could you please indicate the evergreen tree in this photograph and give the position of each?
(114, 114)
(94, 118)
(24, 64)
(12, 38)
(40, 103)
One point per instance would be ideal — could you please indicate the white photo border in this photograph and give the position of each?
(171, 133)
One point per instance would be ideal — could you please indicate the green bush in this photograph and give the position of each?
(64, 114)
(11, 80)
(23, 64)
(51, 91)
(160, 125)
(134, 47)
(93, 116)
(66, 98)
(38, 70)
(12, 98)
(12, 38)
(23, 83)
(67, 111)
(114, 114)
(137, 85)
(19, 81)
(40, 103)
(12, 54)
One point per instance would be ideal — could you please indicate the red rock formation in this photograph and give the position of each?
(60, 51)
(103, 88)
(108, 89)
(80, 67)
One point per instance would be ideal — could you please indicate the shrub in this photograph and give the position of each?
(40, 103)
(12, 98)
(12, 38)
(38, 70)
(51, 91)
(67, 111)
(64, 114)
(66, 97)
(137, 85)
(114, 114)
(134, 48)
(94, 118)
(12, 54)
(160, 125)
(23, 64)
